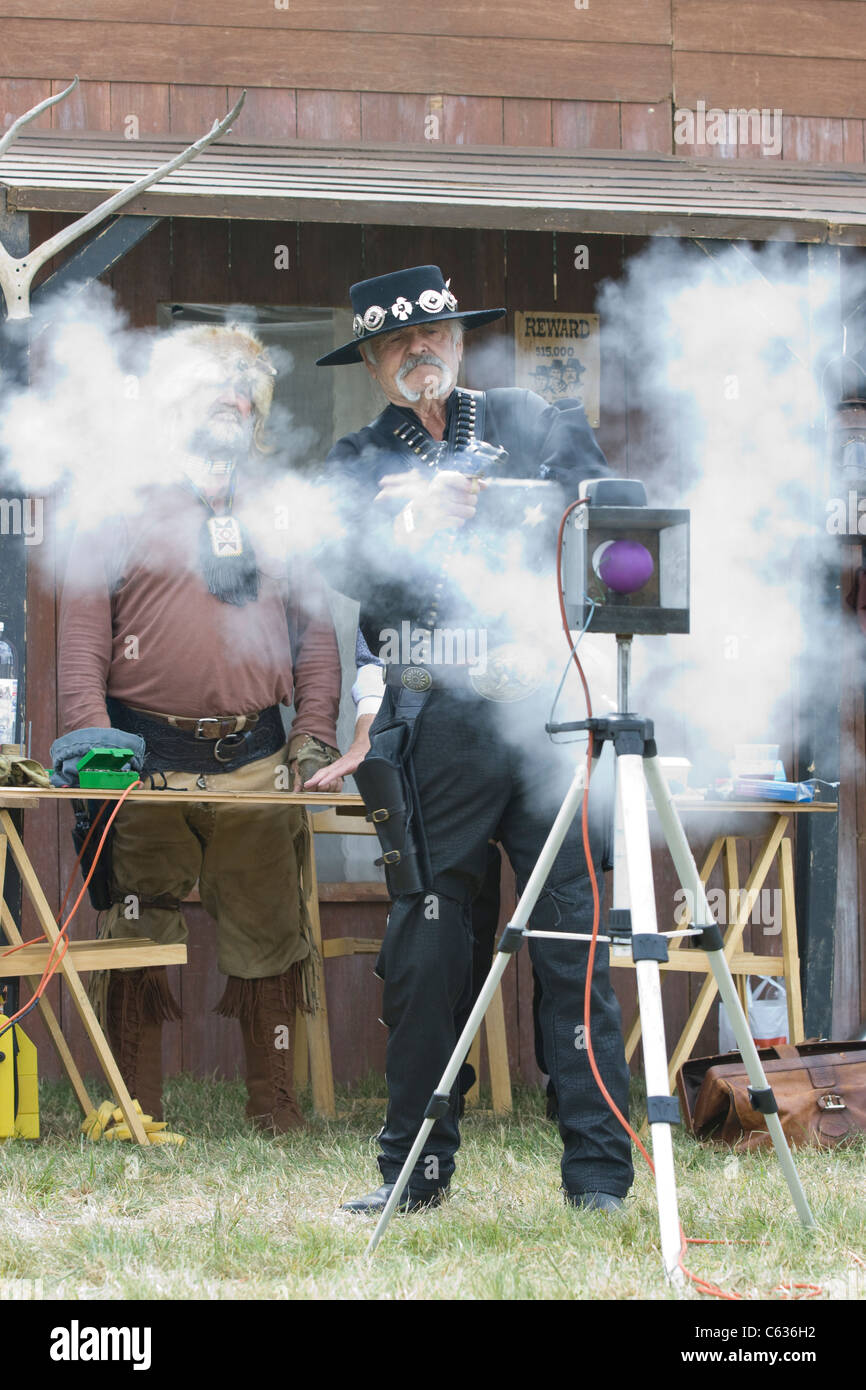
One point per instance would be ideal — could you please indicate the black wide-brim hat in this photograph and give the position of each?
(401, 300)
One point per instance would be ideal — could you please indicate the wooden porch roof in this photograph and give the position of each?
(483, 187)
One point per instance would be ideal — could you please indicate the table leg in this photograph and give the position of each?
(49, 1017)
(33, 889)
(497, 1054)
(632, 1037)
(790, 946)
(733, 938)
(732, 900)
(318, 1037)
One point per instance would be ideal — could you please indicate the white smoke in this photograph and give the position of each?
(724, 357)
(102, 426)
(722, 360)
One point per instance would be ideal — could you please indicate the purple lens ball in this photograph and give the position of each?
(624, 566)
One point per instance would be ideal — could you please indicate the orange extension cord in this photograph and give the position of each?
(701, 1284)
(61, 944)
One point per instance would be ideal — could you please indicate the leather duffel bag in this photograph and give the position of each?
(820, 1089)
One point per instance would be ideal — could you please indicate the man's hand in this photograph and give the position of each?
(400, 486)
(308, 755)
(345, 766)
(329, 779)
(444, 503)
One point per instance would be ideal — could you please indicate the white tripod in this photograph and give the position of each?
(637, 767)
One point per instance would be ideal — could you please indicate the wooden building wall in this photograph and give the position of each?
(518, 73)
(224, 262)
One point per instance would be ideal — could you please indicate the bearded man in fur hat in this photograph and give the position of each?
(184, 625)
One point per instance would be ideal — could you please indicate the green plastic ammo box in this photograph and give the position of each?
(103, 767)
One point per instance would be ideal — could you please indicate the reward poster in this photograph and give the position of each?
(557, 356)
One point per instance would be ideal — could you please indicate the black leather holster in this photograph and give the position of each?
(384, 781)
(86, 812)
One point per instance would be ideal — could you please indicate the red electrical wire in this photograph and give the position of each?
(581, 502)
(584, 820)
(34, 940)
(701, 1284)
(55, 955)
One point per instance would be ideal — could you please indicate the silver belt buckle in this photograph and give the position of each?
(199, 732)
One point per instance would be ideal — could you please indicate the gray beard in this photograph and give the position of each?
(444, 389)
(216, 442)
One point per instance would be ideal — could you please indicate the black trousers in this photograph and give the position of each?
(486, 770)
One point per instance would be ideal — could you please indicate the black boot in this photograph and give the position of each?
(375, 1202)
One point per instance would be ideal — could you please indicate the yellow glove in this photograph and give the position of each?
(107, 1123)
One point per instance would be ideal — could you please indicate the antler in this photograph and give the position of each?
(31, 115)
(16, 276)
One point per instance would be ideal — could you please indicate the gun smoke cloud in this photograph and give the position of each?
(722, 351)
(106, 420)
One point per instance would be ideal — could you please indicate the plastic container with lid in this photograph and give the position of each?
(104, 767)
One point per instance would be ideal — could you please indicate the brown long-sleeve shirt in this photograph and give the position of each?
(138, 623)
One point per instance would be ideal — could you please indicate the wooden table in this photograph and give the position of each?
(115, 955)
(771, 822)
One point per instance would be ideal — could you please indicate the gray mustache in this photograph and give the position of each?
(422, 359)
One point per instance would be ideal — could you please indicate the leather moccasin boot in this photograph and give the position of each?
(266, 1010)
(138, 1003)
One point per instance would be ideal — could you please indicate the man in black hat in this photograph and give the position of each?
(458, 752)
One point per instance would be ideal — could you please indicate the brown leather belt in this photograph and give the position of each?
(209, 726)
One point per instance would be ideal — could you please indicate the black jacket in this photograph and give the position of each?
(544, 443)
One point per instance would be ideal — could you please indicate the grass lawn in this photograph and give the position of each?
(232, 1215)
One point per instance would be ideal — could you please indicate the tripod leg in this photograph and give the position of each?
(631, 794)
(512, 939)
(687, 872)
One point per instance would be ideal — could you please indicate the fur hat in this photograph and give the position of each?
(187, 358)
